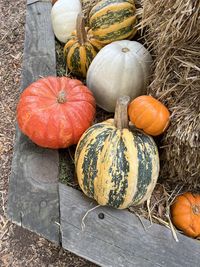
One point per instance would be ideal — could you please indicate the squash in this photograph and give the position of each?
(63, 18)
(185, 213)
(149, 114)
(112, 20)
(54, 112)
(80, 49)
(120, 68)
(117, 165)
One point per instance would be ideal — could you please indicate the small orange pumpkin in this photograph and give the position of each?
(149, 114)
(185, 214)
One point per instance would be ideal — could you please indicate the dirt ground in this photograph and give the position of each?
(18, 247)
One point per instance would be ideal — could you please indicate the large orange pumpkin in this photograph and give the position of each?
(54, 112)
(149, 114)
(185, 214)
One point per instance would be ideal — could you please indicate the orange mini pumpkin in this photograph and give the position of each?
(54, 112)
(149, 114)
(185, 214)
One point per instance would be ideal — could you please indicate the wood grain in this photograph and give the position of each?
(33, 200)
(119, 239)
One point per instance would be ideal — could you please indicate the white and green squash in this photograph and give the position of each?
(112, 20)
(115, 164)
(120, 68)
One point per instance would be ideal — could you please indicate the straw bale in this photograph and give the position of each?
(172, 32)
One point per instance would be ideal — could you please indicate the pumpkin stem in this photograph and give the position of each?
(62, 97)
(80, 29)
(196, 209)
(125, 49)
(121, 114)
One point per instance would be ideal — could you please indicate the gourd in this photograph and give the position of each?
(63, 18)
(54, 112)
(185, 213)
(112, 20)
(120, 68)
(117, 165)
(80, 49)
(149, 114)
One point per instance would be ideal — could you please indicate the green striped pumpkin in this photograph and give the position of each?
(80, 49)
(115, 165)
(112, 20)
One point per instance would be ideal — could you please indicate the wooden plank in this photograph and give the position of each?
(30, 2)
(33, 200)
(120, 238)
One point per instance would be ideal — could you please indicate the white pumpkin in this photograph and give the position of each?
(120, 68)
(63, 18)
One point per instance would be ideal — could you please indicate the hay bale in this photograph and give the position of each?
(172, 32)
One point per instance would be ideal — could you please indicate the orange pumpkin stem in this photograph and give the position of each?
(62, 97)
(80, 29)
(121, 114)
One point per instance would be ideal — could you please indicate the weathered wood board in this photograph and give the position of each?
(33, 200)
(119, 239)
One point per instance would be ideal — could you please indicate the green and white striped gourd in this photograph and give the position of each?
(80, 49)
(116, 165)
(112, 20)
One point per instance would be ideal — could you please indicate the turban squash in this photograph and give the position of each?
(115, 165)
(54, 112)
(112, 20)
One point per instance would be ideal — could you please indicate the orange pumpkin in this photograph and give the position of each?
(185, 214)
(149, 114)
(54, 112)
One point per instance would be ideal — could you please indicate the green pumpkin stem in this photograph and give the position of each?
(121, 112)
(80, 29)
